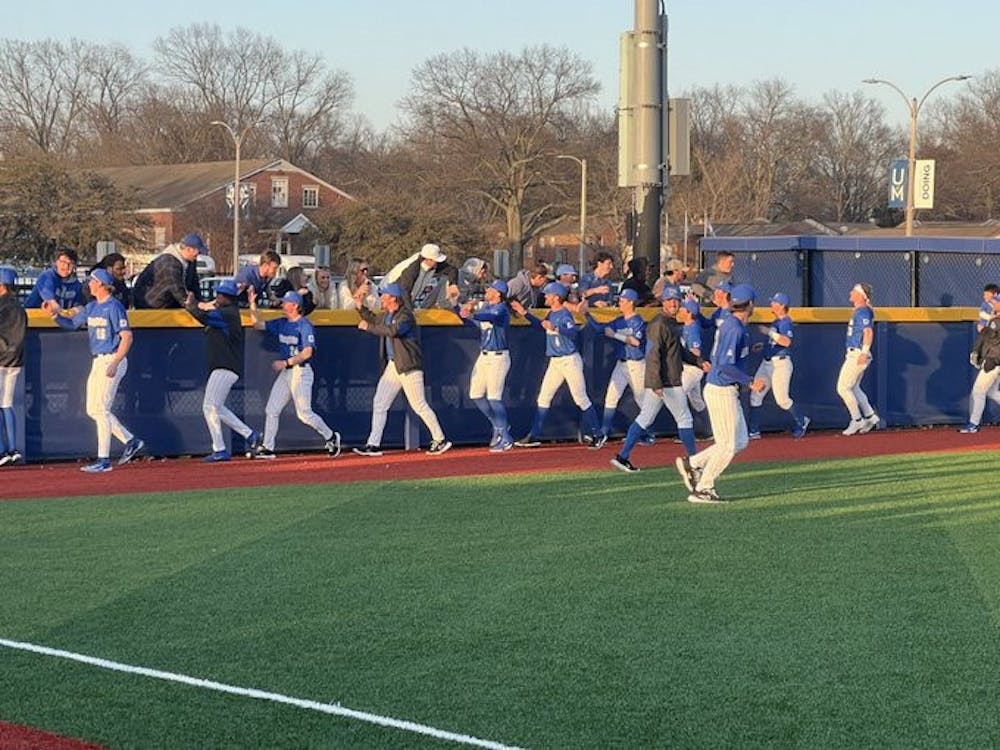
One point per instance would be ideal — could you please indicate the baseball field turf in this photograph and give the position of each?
(841, 603)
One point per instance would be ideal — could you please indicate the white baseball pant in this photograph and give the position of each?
(691, 377)
(675, 401)
(568, 369)
(101, 391)
(987, 385)
(628, 374)
(294, 383)
(489, 375)
(729, 429)
(412, 385)
(8, 383)
(776, 374)
(220, 382)
(849, 384)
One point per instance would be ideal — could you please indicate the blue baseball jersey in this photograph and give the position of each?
(731, 348)
(104, 320)
(292, 337)
(862, 319)
(985, 315)
(691, 336)
(249, 276)
(592, 281)
(782, 326)
(561, 341)
(493, 322)
(51, 286)
(624, 327)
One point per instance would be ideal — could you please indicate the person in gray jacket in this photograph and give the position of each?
(706, 282)
(399, 353)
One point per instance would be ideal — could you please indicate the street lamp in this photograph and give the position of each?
(914, 106)
(238, 140)
(583, 207)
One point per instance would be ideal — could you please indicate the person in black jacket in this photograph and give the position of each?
(224, 346)
(114, 263)
(295, 281)
(986, 357)
(399, 353)
(172, 278)
(13, 325)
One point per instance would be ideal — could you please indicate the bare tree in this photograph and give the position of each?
(493, 122)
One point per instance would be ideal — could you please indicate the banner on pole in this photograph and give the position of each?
(898, 174)
(923, 188)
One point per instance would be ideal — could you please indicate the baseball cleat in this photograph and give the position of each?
(15, 457)
(686, 471)
(503, 446)
(648, 439)
(216, 457)
(528, 441)
(6, 459)
(131, 450)
(870, 422)
(969, 429)
(496, 439)
(265, 453)
(854, 427)
(369, 450)
(623, 464)
(800, 430)
(438, 447)
(753, 435)
(597, 441)
(254, 443)
(333, 445)
(99, 466)
(707, 495)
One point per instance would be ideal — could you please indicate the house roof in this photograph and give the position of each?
(172, 186)
(986, 229)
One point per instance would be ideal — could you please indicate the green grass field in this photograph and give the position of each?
(835, 604)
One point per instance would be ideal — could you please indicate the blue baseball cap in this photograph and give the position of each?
(742, 293)
(500, 285)
(294, 297)
(670, 291)
(565, 268)
(8, 277)
(392, 289)
(691, 306)
(195, 241)
(228, 287)
(630, 294)
(102, 276)
(781, 298)
(724, 286)
(554, 287)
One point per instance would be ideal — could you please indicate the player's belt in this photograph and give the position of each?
(770, 359)
(491, 353)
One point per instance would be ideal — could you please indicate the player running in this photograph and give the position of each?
(860, 335)
(776, 370)
(986, 358)
(489, 374)
(13, 325)
(297, 341)
(729, 428)
(110, 340)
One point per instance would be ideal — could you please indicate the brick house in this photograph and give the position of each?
(276, 201)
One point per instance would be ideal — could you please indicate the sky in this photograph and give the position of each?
(817, 46)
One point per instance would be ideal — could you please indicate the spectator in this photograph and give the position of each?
(13, 326)
(172, 278)
(566, 275)
(674, 274)
(295, 281)
(426, 279)
(57, 287)
(710, 278)
(324, 293)
(472, 280)
(595, 287)
(524, 287)
(355, 277)
(114, 263)
(636, 281)
(258, 276)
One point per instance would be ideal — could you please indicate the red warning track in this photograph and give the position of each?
(14, 737)
(63, 480)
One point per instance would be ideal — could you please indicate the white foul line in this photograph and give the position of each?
(326, 708)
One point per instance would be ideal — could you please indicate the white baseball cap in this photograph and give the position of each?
(432, 252)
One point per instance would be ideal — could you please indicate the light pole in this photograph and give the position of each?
(238, 140)
(914, 106)
(583, 208)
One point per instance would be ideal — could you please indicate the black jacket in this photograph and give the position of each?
(165, 283)
(224, 336)
(443, 270)
(403, 332)
(13, 324)
(279, 290)
(665, 354)
(987, 346)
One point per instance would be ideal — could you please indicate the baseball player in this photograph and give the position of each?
(986, 357)
(224, 349)
(776, 370)
(664, 364)
(860, 335)
(489, 374)
(990, 292)
(722, 396)
(566, 275)
(297, 341)
(689, 316)
(399, 352)
(13, 325)
(565, 365)
(258, 277)
(110, 340)
(57, 288)
(595, 287)
(628, 331)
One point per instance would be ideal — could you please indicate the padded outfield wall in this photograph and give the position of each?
(920, 376)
